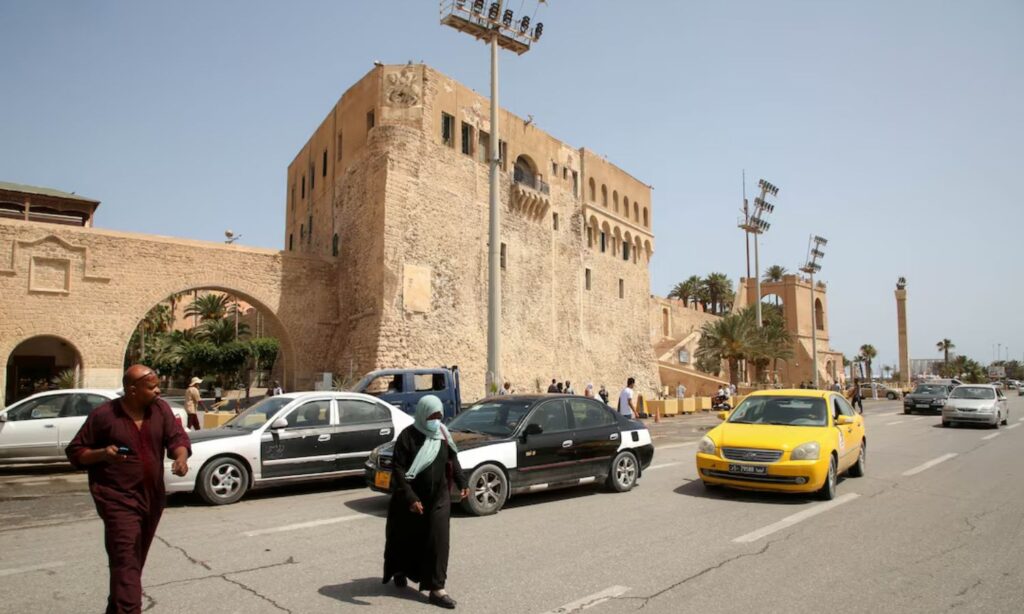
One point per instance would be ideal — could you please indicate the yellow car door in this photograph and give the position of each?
(851, 435)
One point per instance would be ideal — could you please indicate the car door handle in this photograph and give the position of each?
(567, 443)
(324, 437)
(613, 436)
(47, 426)
(385, 431)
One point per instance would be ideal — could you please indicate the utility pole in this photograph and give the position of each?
(813, 254)
(755, 224)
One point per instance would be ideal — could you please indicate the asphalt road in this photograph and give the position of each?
(937, 524)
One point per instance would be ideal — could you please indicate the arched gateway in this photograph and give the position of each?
(89, 288)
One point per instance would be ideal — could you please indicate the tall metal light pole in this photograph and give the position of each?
(813, 254)
(496, 27)
(755, 224)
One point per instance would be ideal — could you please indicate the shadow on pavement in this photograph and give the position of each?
(374, 505)
(695, 488)
(38, 469)
(369, 587)
(304, 488)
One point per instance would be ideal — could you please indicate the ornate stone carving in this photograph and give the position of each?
(403, 88)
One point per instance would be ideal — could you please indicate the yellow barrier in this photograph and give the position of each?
(703, 403)
(213, 419)
(689, 405)
(671, 407)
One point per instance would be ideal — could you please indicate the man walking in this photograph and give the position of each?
(122, 444)
(553, 388)
(627, 404)
(193, 402)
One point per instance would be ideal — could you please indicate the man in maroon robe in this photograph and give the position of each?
(122, 444)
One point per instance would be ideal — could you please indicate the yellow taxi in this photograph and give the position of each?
(785, 440)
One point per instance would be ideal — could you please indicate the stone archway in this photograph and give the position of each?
(35, 363)
(285, 365)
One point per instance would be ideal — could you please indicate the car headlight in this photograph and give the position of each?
(986, 410)
(374, 458)
(706, 445)
(806, 451)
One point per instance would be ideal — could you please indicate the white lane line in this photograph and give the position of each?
(1013, 426)
(17, 570)
(306, 525)
(917, 418)
(590, 600)
(1020, 419)
(929, 464)
(897, 422)
(992, 436)
(673, 446)
(789, 521)
(892, 413)
(663, 465)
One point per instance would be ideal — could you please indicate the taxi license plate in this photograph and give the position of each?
(382, 479)
(748, 469)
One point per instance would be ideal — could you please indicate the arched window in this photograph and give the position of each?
(636, 212)
(615, 200)
(819, 315)
(604, 195)
(593, 190)
(664, 322)
(334, 245)
(525, 171)
(646, 224)
(291, 242)
(625, 206)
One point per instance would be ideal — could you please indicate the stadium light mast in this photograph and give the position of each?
(497, 27)
(814, 253)
(755, 224)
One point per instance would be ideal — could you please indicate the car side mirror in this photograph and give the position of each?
(280, 423)
(533, 429)
(722, 415)
(841, 420)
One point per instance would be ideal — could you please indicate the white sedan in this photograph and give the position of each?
(38, 428)
(284, 439)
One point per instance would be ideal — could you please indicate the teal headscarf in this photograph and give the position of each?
(426, 407)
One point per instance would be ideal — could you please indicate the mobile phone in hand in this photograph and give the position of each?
(125, 450)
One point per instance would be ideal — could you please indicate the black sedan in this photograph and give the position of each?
(525, 443)
(926, 397)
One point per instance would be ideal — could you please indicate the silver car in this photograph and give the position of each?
(977, 404)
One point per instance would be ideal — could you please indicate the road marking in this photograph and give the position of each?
(789, 521)
(929, 464)
(39, 567)
(992, 436)
(590, 600)
(897, 422)
(892, 413)
(663, 465)
(1020, 419)
(917, 418)
(1013, 426)
(306, 525)
(675, 445)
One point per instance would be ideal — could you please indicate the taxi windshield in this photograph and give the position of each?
(492, 417)
(257, 415)
(779, 410)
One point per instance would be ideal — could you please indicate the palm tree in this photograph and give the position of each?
(774, 273)
(719, 291)
(220, 332)
(945, 346)
(868, 352)
(209, 307)
(769, 344)
(693, 286)
(887, 370)
(728, 339)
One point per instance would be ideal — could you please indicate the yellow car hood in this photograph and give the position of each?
(764, 436)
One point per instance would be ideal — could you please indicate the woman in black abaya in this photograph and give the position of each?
(426, 464)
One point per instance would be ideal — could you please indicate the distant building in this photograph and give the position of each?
(920, 367)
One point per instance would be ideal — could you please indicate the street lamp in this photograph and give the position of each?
(813, 254)
(498, 28)
(755, 224)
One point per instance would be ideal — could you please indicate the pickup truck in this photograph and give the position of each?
(403, 388)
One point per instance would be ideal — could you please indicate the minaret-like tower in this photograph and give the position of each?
(901, 322)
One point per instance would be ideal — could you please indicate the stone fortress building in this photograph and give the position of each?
(385, 254)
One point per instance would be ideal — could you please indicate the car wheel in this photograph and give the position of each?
(488, 490)
(223, 480)
(1006, 419)
(907, 411)
(624, 472)
(891, 396)
(946, 423)
(828, 489)
(857, 470)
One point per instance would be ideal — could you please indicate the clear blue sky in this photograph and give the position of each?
(892, 127)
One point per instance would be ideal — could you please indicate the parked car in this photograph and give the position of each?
(976, 404)
(927, 397)
(293, 437)
(38, 428)
(883, 391)
(522, 443)
(785, 440)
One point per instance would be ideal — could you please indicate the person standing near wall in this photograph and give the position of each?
(627, 401)
(193, 403)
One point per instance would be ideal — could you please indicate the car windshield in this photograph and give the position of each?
(972, 392)
(787, 411)
(930, 389)
(491, 417)
(257, 415)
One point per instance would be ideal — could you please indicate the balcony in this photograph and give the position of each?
(524, 177)
(530, 197)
